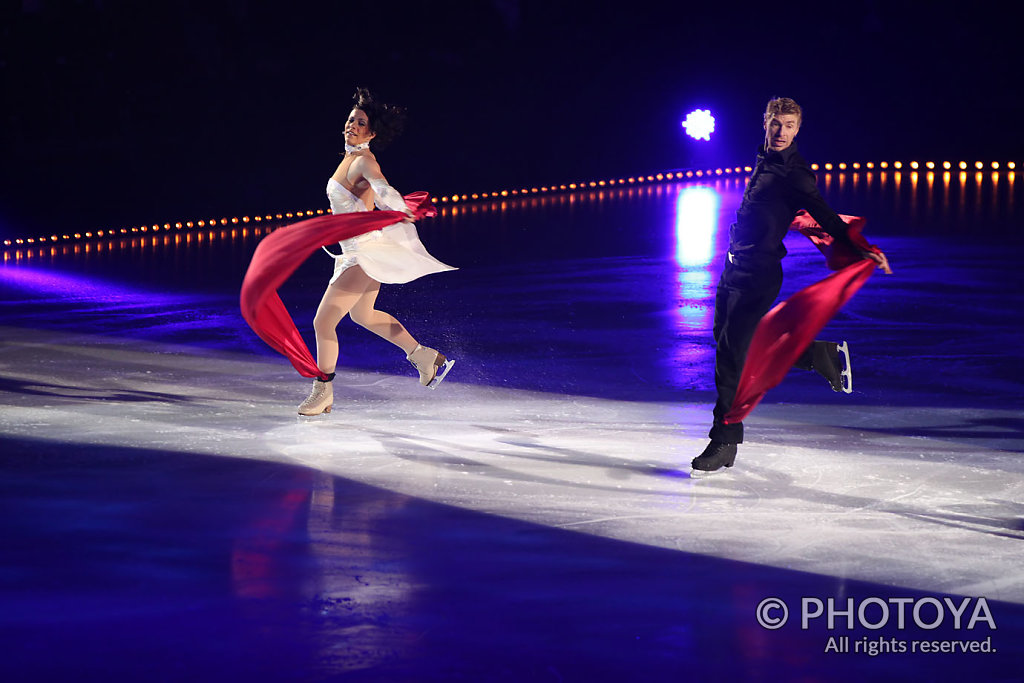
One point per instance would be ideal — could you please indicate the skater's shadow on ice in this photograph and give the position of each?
(82, 393)
(441, 455)
(617, 467)
(1002, 428)
(992, 517)
(971, 518)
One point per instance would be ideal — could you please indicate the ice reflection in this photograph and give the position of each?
(696, 225)
(697, 218)
(931, 200)
(696, 229)
(695, 293)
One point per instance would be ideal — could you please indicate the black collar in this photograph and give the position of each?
(772, 156)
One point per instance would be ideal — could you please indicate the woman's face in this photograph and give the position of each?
(357, 128)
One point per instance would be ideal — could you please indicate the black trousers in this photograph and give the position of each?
(745, 293)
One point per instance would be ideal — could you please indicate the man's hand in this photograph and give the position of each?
(880, 259)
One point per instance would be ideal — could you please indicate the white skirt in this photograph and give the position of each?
(391, 255)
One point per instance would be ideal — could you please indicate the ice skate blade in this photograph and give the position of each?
(442, 371)
(322, 412)
(700, 470)
(707, 474)
(847, 373)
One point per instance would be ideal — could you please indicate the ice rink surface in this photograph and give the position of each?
(168, 516)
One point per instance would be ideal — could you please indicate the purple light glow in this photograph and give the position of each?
(700, 124)
(58, 300)
(75, 288)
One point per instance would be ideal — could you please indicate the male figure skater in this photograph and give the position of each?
(782, 183)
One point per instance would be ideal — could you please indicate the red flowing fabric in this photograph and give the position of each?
(284, 250)
(787, 330)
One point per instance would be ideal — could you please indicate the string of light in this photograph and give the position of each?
(13, 245)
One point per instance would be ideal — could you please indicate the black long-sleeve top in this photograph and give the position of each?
(781, 185)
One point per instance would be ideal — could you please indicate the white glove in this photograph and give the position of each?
(386, 197)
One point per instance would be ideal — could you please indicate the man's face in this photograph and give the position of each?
(780, 131)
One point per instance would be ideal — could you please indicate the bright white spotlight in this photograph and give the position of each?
(700, 124)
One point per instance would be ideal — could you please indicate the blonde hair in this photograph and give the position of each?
(777, 106)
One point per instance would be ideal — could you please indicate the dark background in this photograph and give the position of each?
(125, 113)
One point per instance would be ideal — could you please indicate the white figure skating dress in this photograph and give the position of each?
(391, 255)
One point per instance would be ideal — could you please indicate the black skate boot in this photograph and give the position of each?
(832, 361)
(715, 456)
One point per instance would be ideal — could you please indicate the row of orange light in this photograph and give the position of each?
(166, 226)
(569, 187)
(687, 175)
(914, 165)
(152, 239)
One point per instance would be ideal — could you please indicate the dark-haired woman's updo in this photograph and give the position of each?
(385, 120)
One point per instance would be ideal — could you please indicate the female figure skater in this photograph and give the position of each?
(393, 254)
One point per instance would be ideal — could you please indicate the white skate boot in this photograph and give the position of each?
(431, 364)
(320, 399)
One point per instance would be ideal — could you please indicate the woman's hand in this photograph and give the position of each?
(879, 258)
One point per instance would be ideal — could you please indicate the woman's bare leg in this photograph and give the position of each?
(355, 293)
(382, 324)
(430, 363)
(337, 302)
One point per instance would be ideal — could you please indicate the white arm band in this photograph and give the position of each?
(385, 196)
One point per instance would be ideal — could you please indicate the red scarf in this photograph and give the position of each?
(789, 328)
(284, 250)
